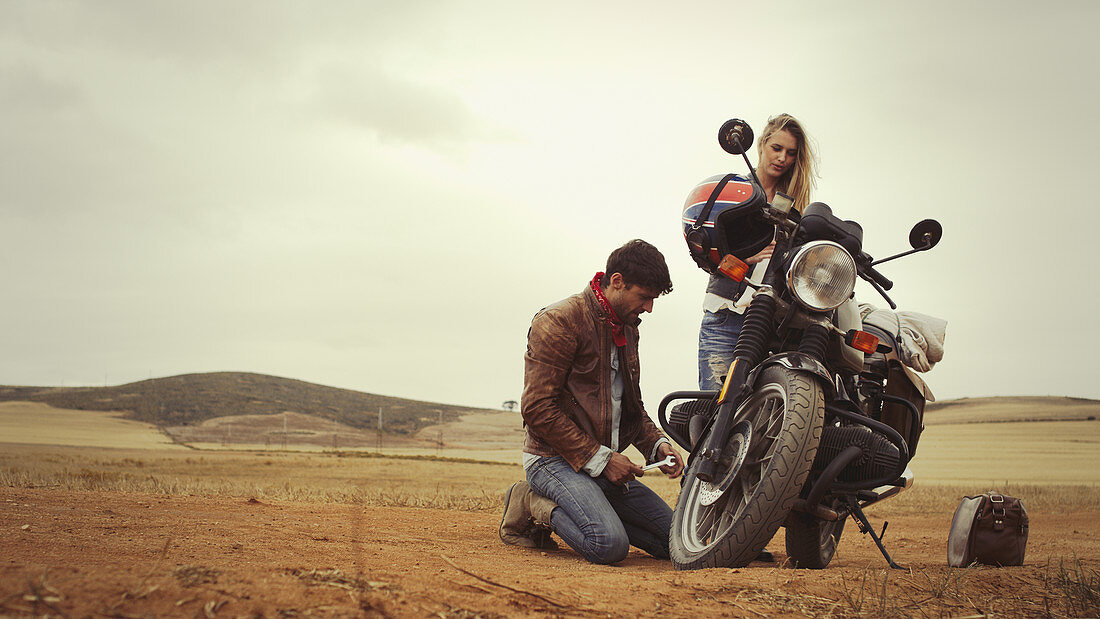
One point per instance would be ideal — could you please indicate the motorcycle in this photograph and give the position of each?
(817, 418)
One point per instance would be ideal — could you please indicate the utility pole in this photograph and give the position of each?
(439, 444)
(379, 448)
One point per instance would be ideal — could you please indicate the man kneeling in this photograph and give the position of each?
(581, 405)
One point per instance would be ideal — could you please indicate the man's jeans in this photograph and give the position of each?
(598, 519)
(718, 335)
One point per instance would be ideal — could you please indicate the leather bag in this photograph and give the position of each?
(990, 529)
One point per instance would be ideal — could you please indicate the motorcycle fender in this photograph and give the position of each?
(798, 362)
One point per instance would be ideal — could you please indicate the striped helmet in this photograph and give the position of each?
(722, 216)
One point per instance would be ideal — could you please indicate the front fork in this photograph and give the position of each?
(749, 352)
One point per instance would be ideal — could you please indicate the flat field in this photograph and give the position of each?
(1012, 409)
(1038, 452)
(40, 424)
(159, 529)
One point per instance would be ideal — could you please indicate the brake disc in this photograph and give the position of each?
(737, 449)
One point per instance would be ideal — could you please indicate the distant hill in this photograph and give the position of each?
(192, 398)
(1011, 408)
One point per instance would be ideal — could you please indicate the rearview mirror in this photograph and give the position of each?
(925, 235)
(735, 136)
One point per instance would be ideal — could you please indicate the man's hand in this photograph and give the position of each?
(620, 469)
(666, 449)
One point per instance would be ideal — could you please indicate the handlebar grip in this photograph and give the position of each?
(878, 278)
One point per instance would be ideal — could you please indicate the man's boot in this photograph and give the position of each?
(541, 508)
(517, 526)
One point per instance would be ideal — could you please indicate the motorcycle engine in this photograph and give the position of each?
(880, 457)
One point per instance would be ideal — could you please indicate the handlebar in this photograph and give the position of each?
(878, 288)
(878, 278)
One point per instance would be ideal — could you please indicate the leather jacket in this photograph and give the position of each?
(566, 403)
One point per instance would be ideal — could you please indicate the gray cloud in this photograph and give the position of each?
(397, 109)
(27, 90)
(249, 32)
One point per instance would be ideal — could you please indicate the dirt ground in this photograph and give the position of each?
(114, 554)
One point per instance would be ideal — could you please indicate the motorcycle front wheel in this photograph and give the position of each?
(768, 456)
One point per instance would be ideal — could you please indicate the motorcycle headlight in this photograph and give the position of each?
(822, 275)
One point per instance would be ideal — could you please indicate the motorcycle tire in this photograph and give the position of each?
(811, 541)
(777, 437)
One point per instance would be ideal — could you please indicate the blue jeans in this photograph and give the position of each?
(718, 335)
(598, 519)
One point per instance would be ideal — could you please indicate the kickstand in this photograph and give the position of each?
(865, 528)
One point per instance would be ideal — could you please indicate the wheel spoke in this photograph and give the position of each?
(775, 422)
(704, 529)
(764, 417)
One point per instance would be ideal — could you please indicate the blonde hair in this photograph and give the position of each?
(798, 181)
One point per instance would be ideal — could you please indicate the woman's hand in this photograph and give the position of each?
(763, 255)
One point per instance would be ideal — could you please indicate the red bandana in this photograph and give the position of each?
(612, 318)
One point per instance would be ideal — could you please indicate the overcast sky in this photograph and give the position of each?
(379, 195)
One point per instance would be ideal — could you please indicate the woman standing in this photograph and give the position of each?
(785, 164)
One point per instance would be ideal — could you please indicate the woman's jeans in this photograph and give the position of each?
(717, 338)
(599, 519)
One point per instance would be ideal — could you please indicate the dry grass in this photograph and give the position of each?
(415, 481)
(937, 498)
(1079, 587)
(882, 592)
(1069, 589)
(371, 480)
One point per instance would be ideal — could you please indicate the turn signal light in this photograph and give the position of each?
(733, 268)
(861, 340)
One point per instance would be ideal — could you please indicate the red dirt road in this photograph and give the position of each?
(112, 554)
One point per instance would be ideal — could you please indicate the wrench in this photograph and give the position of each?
(668, 461)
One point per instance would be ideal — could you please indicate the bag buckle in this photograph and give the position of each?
(997, 509)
